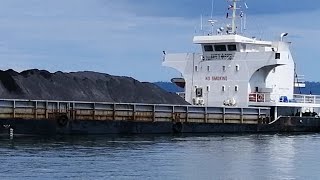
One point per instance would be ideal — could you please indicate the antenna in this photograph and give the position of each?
(212, 5)
(241, 22)
(211, 20)
(245, 4)
(245, 22)
(201, 23)
(245, 17)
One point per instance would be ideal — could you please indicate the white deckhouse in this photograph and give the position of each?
(238, 71)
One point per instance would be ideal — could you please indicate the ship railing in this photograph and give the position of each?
(108, 111)
(297, 98)
(303, 98)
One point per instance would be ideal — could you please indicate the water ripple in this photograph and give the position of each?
(268, 156)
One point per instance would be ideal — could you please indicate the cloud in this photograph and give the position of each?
(120, 37)
(303, 33)
(83, 35)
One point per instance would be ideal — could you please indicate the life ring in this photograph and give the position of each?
(252, 98)
(260, 98)
(62, 120)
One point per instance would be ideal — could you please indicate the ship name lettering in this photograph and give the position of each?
(216, 78)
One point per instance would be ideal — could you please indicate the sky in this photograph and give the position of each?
(127, 37)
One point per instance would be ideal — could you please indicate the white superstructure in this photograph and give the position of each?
(234, 70)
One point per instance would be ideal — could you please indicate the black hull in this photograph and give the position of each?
(94, 127)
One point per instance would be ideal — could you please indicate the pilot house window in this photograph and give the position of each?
(208, 48)
(220, 48)
(232, 47)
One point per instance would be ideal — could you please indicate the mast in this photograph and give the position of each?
(234, 16)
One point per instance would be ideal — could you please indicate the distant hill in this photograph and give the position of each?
(313, 87)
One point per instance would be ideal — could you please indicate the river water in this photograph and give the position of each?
(266, 156)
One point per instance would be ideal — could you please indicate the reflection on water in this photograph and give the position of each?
(161, 157)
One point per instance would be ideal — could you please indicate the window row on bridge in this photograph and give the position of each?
(220, 47)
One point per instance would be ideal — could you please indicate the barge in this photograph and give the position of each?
(62, 117)
(236, 85)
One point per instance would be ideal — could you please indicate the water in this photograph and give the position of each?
(161, 157)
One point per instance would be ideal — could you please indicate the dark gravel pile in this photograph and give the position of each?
(81, 86)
